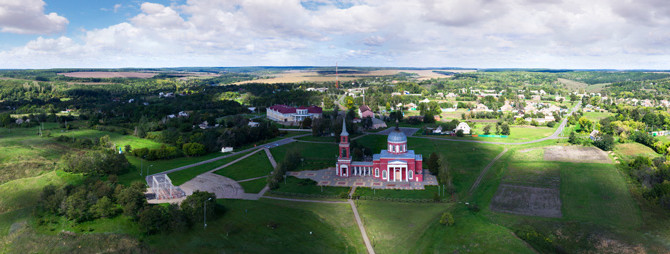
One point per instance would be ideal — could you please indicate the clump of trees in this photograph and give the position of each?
(96, 162)
(291, 162)
(652, 177)
(97, 199)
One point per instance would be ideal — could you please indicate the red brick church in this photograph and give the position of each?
(397, 164)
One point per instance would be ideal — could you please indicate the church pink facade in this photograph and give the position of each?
(395, 164)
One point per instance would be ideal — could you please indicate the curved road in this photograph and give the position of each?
(553, 136)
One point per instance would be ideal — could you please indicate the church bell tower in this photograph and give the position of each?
(344, 160)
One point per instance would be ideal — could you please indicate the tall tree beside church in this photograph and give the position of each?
(433, 163)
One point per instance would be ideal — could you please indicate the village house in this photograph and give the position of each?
(397, 164)
(253, 124)
(506, 108)
(464, 127)
(365, 111)
(283, 113)
(481, 108)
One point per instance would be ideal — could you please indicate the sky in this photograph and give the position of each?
(558, 34)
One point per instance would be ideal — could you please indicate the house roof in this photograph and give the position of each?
(288, 109)
(364, 108)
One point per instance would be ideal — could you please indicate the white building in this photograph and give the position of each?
(463, 126)
(283, 113)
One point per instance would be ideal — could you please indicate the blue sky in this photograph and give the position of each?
(613, 34)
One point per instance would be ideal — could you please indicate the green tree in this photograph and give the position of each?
(604, 142)
(153, 220)
(487, 129)
(447, 219)
(104, 208)
(6, 119)
(75, 206)
(572, 139)
(504, 129)
(433, 163)
(193, 206)
(132, 199)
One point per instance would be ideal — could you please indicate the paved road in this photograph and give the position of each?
(553, 136)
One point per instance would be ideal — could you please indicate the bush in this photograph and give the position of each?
(473, 207)
(447, 219)
(459, 133)
(193, 149)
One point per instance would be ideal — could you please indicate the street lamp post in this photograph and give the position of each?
(204, 220)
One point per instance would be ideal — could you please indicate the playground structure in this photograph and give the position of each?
(162, 187)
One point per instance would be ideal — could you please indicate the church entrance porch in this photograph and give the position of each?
(327, 177)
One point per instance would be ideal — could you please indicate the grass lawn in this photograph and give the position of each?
(316, 155)
(427, 194)
(253, 166)
(596, 116)
(254, 186)
(25, 154)
(629, 150)
(297, 186)
(597, 193)
(517, 134)
(243, 228)
(414, 228)
(182, 176)
(116, 138)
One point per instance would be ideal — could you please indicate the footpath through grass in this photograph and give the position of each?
(182, 176)
(254, 166)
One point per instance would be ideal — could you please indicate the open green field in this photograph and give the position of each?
(117, 139)
(23, 153)
(414, 228)
(244, 229)
(316, 155)
(597, 206)
(628, 150)
(517, 134)
(256, 165)
(596, 116)
(182, 176)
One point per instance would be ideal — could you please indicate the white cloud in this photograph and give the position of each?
(470, 33)
(28, 17)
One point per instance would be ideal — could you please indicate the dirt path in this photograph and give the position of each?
(485, 170)
(368, 245)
